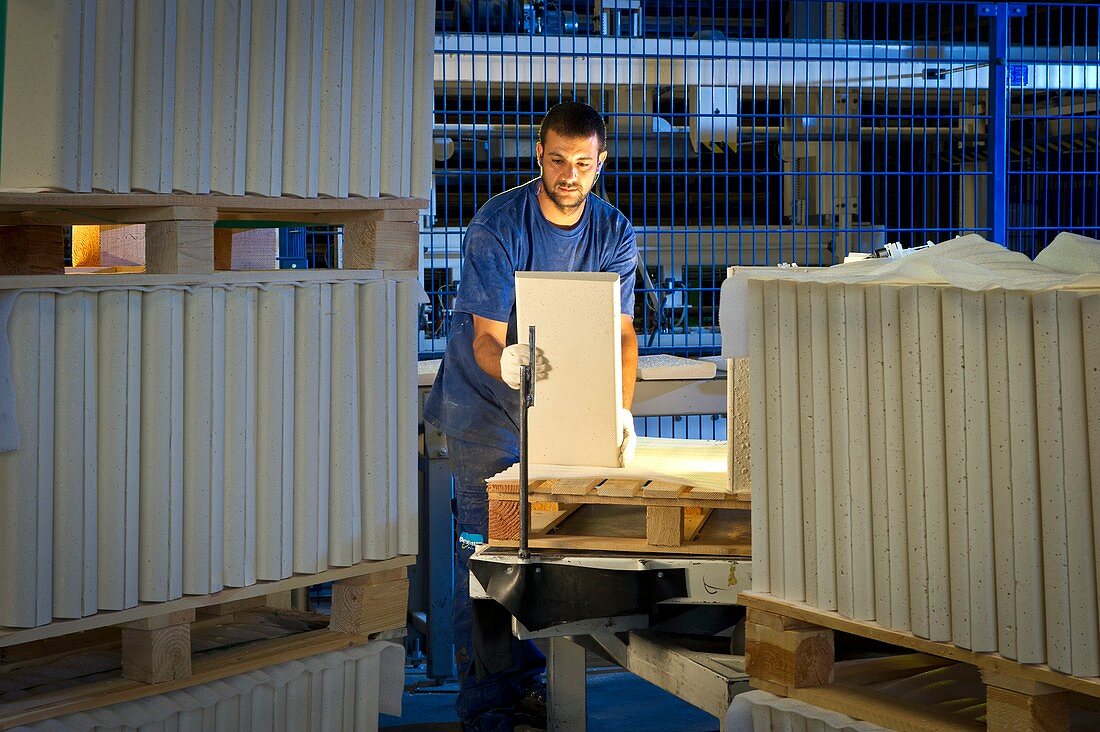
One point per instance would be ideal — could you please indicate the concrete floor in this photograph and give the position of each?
(617, 700)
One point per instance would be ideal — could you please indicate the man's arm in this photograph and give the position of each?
(489, 339)
(630, 359)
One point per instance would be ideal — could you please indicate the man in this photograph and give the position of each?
(551, 224)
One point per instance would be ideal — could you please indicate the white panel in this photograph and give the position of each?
(576, 316)
(392, 489)
(935, 481)
(335, 109)
(774, 440)
(823, 448)
(758, 446)
(423, 93)
(863, 552)
(345, 540)
(396, 108)
(301, 121)
(312, 377)
(1084, 625)
(878, 439)
(266, 96)
(204, 386)
(239, 560)
(161, 572)
(1090, 331)
(119, 377)
(1026, 524)
(808, 459)
(26, 503)
(274, 434)
(1000, 466)
(112, 101)
(794, 581)
(366, 99)
(194, 91)
(979, 490)
(954, 440)
(913, 437)
(1052, 489)
(154, 96)
(47, 144)
(409, 297)
(229, 128)
(842, 497)
(374, 343)
(75, 513)
(893, 438)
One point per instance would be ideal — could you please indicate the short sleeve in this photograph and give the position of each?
(625, 263)
(488, 284)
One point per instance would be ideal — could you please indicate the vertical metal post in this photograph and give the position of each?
(566, 686)
(997, 141)
(526, 399)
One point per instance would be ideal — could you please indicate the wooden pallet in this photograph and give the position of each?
(789, 652)
(621, 516)
(182, 648)
(380, 233)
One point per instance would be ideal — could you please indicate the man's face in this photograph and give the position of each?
(569, 168)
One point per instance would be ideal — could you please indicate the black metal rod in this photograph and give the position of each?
(526, 399)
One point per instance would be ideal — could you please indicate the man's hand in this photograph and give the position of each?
(515, 357)
(629, 439)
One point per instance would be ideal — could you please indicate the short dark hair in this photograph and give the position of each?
(574, 119)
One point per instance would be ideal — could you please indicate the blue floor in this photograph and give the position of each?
(617, 700)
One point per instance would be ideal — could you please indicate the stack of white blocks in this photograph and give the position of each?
(928, 458)
(269, 97)
(178, 438)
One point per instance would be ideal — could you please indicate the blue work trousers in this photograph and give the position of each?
(485, 700)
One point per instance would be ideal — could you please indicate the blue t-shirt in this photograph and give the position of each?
(508, 235)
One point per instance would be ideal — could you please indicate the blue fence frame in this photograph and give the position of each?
(754, 132)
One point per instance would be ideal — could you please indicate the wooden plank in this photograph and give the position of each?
(381, 245)
(687, 498)
(32, 250)
(546, 520)
(664, 525)
(660, 489)
(694, 520)
(992, 661)
(578, 329)
(179, 247)
(882, 709)
(10, 637)
(620, 488)
(574, 486)
(631, 545)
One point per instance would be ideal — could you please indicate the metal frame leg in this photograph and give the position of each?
(566, 685)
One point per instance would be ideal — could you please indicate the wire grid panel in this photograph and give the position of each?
(750, 132)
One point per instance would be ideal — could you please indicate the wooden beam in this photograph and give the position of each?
(664, 525)
(370, 604)
(179, 247)
(382, 245)
(796, 658)
(158, 649)
(1013, 710)
(32, 250)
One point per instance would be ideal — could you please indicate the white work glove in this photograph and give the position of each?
(515, 357)
(630, 439)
